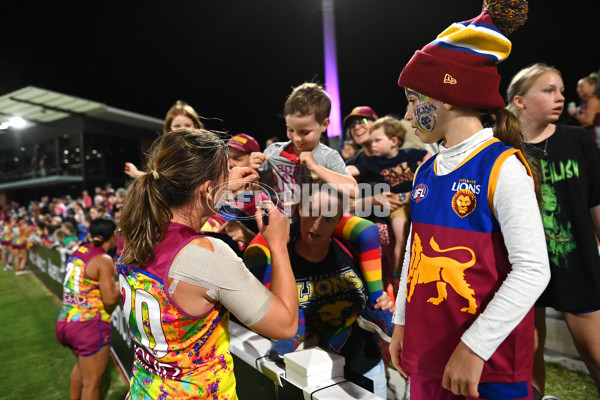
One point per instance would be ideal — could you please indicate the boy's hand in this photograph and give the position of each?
(463, 371)
(396, 349)
(257, 159)
(384, 302)
(307, 159)
(388, 200)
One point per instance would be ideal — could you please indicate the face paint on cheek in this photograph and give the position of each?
(426, 116)
(425, 113)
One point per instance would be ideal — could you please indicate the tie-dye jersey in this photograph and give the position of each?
(17, 239)
(177, 356)
(82, 300)
(6, 233)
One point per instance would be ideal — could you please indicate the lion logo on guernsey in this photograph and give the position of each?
(442, 271)
(464, 202)
(419, 192)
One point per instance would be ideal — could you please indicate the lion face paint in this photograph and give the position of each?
(425, 112)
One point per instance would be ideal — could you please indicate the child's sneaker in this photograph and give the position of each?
(8, 268)
(377, 321)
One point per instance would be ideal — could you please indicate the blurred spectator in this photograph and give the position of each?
(44, 205)
(79, 209)
(120, 194)
(70, 218)
(272, 140)
(349, 150)
(87, 199)
(97, 211)
(98, 200)
(60, 208)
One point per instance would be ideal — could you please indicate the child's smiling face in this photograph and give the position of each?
(304, 131)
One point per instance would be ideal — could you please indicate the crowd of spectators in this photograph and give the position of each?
(60, 223)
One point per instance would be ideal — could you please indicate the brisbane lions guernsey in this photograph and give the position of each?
(177, 356)
(458, 261)
(82, 300)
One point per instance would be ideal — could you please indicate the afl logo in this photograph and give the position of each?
(419, 192)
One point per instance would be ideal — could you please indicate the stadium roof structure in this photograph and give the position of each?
(40, 106)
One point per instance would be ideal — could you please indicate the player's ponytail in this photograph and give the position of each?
(101, 230)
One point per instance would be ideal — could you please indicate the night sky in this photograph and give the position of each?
(235, 61)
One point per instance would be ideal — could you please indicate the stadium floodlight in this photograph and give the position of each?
(17, 122)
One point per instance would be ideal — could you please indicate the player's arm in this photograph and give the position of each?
(281, 319)
(109, 289)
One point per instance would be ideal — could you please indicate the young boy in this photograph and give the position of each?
(393, 166)
(285, 166)
(240, 147)
(478, 259)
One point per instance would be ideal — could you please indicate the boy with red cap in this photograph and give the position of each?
(236, 218)
(477, 260)
(240, 148)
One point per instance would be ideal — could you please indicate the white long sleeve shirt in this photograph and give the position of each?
(517, 212)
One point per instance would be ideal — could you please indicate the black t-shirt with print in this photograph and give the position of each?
(398, 172)
(332, 295)
(570, 167)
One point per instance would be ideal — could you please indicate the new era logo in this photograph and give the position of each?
(449, 79)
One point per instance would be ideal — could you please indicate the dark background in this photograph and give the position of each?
(235, 61)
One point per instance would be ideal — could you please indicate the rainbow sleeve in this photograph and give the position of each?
(363, 233)
(257, 258)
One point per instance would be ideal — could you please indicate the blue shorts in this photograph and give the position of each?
(422, 387)
(85, 338)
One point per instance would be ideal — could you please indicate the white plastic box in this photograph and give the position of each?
(312, 366)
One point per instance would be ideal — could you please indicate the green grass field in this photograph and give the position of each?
(36, 366)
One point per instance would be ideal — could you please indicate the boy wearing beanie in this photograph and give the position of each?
(477, 260)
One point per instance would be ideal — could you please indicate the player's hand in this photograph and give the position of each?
(463, 371)
(277, 231)
(241, 177)
(257, 159)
